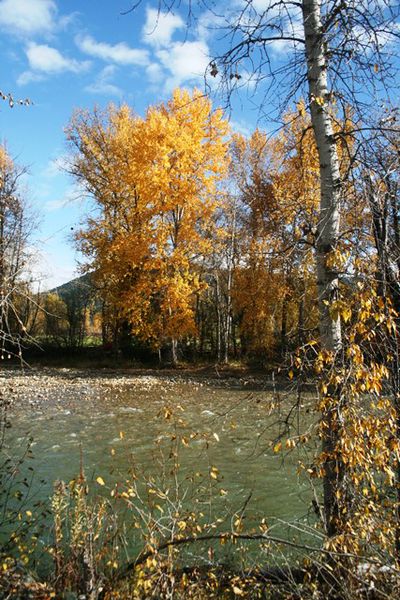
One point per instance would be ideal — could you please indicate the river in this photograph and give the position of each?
(225, 430)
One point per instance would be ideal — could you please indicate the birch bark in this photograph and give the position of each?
(327, 237)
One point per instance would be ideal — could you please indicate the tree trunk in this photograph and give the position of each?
(228, 316)
(233, 340)
(230, 259)
(300, 315)
(284, 323)
(327, 237)
(174, 351)
(219, 320)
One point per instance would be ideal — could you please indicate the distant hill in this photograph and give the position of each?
(79, 284)
(79, 291)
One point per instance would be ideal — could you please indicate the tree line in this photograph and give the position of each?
(200, 241)
(204, 250)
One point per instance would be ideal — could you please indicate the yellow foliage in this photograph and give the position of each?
(354, 405)
(154, 181)
(278, 183)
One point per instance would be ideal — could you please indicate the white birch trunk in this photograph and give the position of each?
(329, 219)
(328, 232)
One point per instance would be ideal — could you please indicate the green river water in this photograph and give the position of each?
(114, 423)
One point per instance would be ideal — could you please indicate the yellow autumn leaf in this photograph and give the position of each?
(237, 591)
(214, 472)
(346, 314)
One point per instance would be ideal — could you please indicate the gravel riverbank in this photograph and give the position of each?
(66, 388)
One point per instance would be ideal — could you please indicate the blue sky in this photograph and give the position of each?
(75, 53)
(64, 54)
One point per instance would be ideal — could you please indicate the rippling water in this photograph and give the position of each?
(116, 425)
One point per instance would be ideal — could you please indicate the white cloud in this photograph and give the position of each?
(52, 205)
(281, 20)
(263, 5)
(51, 170)
(185, 62)
(55, 166)
(121, 53)
(29, 77)
(210, 22)
(160, 27)
(275, 10)
(45, 60)
(70, 196)
(175, 63)
(285, 47)
(240, 126)
(103, 85)
(28, 17)
(44, 187)
(155, 73)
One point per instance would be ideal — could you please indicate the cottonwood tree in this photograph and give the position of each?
(278, 190)
(154, 181)
(258, 284)
(277, 182)
(337, 53)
